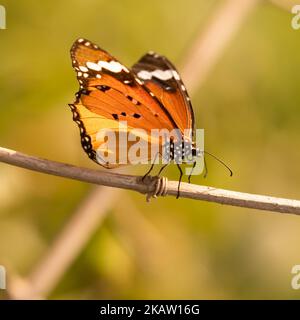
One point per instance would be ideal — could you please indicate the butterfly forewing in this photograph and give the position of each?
(110, 93)
(162, 78)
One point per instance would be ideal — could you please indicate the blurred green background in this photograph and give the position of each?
(249, 108)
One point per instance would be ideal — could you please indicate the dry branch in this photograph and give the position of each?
(130, 182)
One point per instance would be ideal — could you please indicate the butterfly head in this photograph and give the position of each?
(196, 152)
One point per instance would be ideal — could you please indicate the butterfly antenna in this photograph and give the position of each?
(219, 160)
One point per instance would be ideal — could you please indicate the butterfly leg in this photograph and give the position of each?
(151, 168)
(179, 182)
(148, 172)
(162, 168)
(190, 175)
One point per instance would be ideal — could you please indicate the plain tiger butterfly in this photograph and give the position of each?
(150, 95)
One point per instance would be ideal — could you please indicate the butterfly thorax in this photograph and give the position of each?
(182, 151)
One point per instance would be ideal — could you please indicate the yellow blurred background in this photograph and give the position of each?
(248, 106)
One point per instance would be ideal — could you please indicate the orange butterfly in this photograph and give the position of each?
(149, 96)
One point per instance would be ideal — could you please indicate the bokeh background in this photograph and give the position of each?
(249, 108)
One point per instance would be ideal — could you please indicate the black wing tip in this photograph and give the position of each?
(153, 55)
(83, 42)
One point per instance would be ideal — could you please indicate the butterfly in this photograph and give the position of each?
(150, 95)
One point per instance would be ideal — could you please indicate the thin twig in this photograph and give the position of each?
(66, 247)
(285, 5)
(130, 182)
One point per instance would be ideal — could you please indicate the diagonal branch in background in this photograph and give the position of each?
(211, 43)
(286, 5)
(66, 247)
(130, 182)
(71, 240)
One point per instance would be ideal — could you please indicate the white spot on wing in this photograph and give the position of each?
(145, 75)
(83, 69)
(139, 81)
(93, 66)
(163, 75)
(113, 66)
(159, 74)
(98, 75)
(175, 75)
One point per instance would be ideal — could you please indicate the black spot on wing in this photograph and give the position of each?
(137, 103)
(80, 93)
(103, 88)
